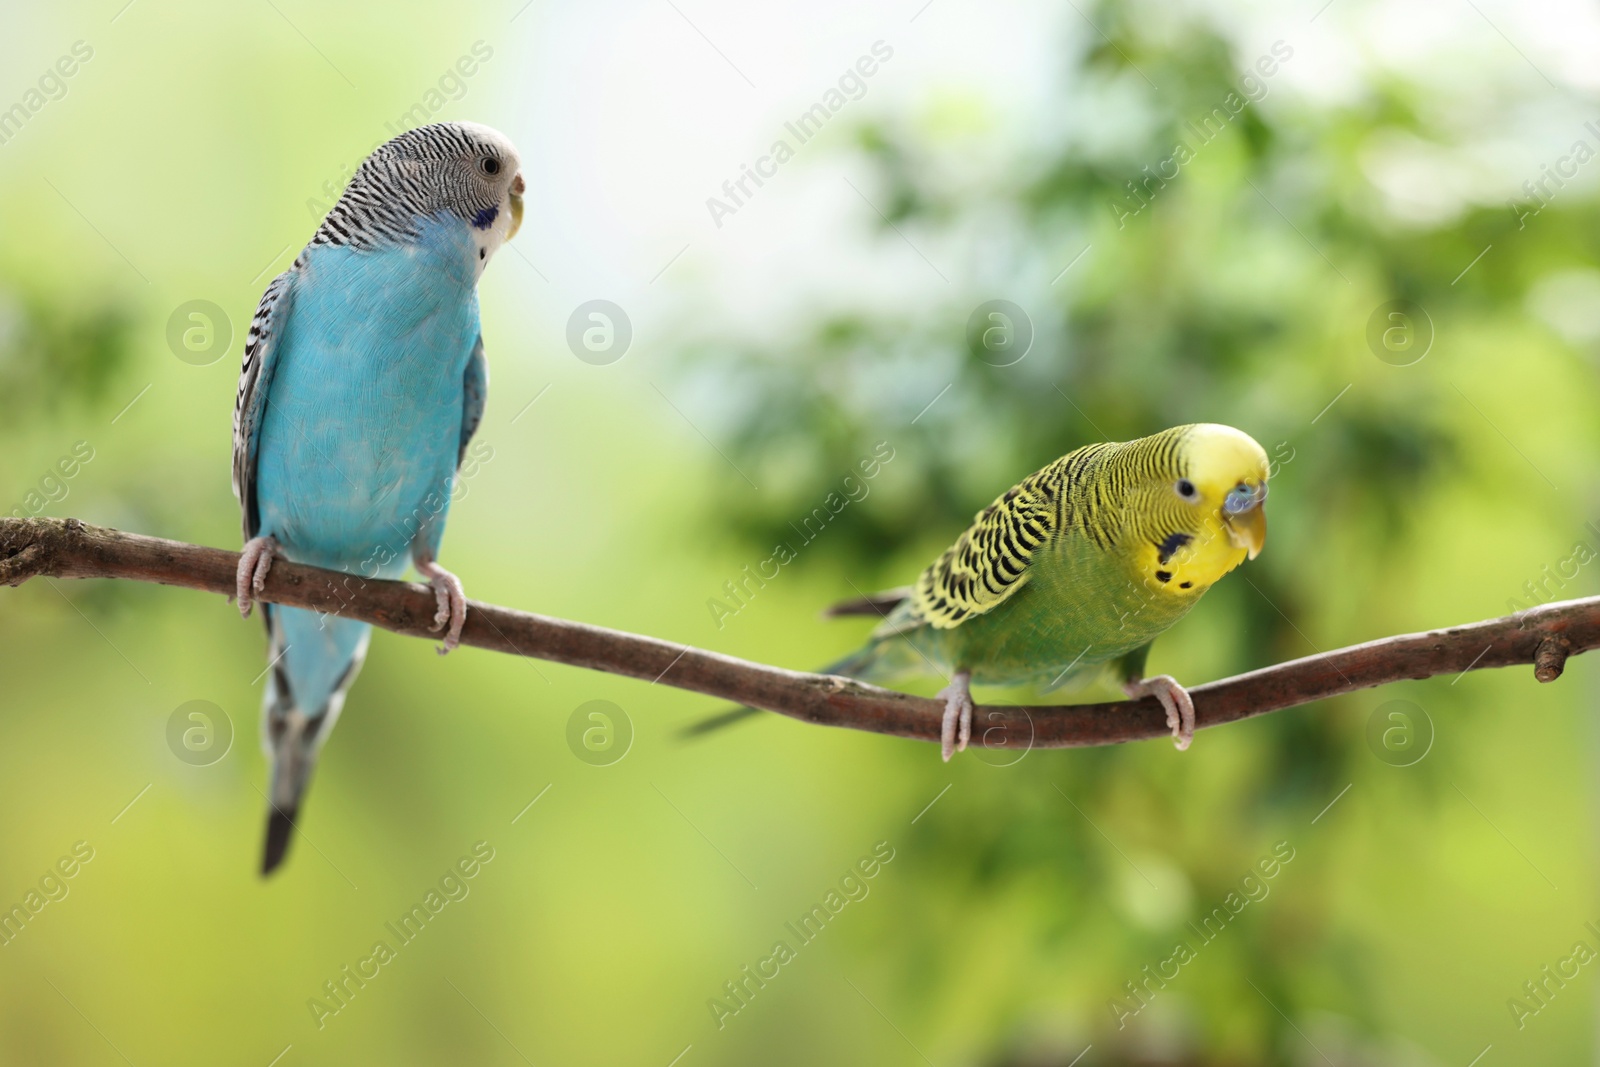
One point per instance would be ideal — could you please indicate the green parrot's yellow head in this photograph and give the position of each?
(1198, 509)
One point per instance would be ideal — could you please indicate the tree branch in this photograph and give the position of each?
(1544, 636)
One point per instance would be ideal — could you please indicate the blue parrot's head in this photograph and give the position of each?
(460, 170)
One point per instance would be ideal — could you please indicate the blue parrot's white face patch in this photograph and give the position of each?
(490, 229)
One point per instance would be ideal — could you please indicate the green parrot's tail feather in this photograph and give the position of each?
(849, 667)
(712, 723)
(879, 604)
(853, 665)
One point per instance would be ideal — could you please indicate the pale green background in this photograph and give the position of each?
(178, 165)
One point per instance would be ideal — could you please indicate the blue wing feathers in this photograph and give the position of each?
(476, 388)
(255, 381)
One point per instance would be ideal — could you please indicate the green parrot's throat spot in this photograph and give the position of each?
(1165, 549)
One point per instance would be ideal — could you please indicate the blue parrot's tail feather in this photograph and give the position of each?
(852, 666)
(314, 660)
(279, 825)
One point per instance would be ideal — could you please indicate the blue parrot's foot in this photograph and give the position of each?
(1175, 698)
(452, 602)
(254, 562)
(956, 729)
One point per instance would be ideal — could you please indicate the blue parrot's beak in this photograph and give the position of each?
(518, 187)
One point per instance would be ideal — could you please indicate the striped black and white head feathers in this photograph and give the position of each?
(459, 169)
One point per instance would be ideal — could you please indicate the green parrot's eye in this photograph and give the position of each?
(1242, 498)
(1187, 490)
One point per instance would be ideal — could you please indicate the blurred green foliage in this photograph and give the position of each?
(52, 352)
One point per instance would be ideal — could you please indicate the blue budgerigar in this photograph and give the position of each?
(364, 378)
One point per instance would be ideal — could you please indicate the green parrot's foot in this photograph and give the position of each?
(255, 560)
(1175, 698)
(956, 729)
(452, 600)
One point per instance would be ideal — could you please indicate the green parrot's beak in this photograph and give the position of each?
(518, 187)
(1248, 530)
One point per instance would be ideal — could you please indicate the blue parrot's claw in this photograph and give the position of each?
(956, 729)
(255, 560)
(452, 601)
(1174, 698)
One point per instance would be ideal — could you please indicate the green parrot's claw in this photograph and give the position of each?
(956, 729)
(1174, 698)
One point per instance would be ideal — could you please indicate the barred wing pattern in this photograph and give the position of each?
(989, 562)
(255, 377)
(477, 394)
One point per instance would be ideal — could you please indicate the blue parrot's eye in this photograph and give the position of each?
(489, 165)
(1242, 498)
(1186, 489)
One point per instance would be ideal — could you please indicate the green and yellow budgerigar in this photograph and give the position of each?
(1076, 570)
